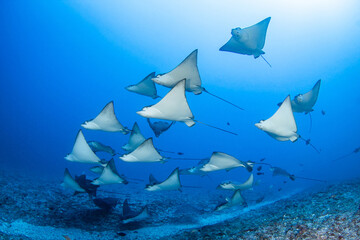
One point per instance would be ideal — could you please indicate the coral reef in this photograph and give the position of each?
(40, 209)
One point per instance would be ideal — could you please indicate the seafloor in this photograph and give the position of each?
(40, 209)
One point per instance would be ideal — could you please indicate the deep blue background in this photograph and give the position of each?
(61, 62)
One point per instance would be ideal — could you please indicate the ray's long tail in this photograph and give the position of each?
(178, 153)
(195, 159)
(344, 156)
(307, 142)
(222, 99)
(311, 179)
(215, 127)
(265, 60)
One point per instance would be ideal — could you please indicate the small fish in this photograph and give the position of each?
(260, 173)
(323, 112)
(285, 181)
(259, 168)
(66, 237)
(262, 159)
(228, 123)
(279, 189)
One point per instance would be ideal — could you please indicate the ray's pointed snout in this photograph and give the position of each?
(258, 125)
(156, 79)
(141, 113)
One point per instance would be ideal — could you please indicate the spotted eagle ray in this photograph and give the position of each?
(171, 183)
(109, 175)
(304, 103)
(82, 152)
(356, 150)
(99, 147)
(70, 183)
(145, 152)
(282, 172)
(135, 139)
(195, 170)
(230, 185)
(146, 87)
(249, 40)
(174, 107)
(159, 127)
(129, 215)
(106, 204)
(106, 121)
(282, 125)
(235, 200)
(222, 161)
(188, 70)
(87, 185)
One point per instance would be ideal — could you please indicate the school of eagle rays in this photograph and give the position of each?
(173, 107)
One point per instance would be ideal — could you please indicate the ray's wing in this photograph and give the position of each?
(107, 115)
(106, 121)
(135, 139)
(188, 70)
(283, 117)
(220, 161)
(146, 87)
(311, 96)
(174, 106)
(152, 180)
(109, 175)
(172, 182)
(254, 40)
(168, 126)
(257, 33)
(127, 212)
(146, 152)
(82, 152)
(235, 46)
(70, 183)
(247, 184)
(237, 198)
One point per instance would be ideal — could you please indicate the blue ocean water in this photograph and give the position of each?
(63, 61)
